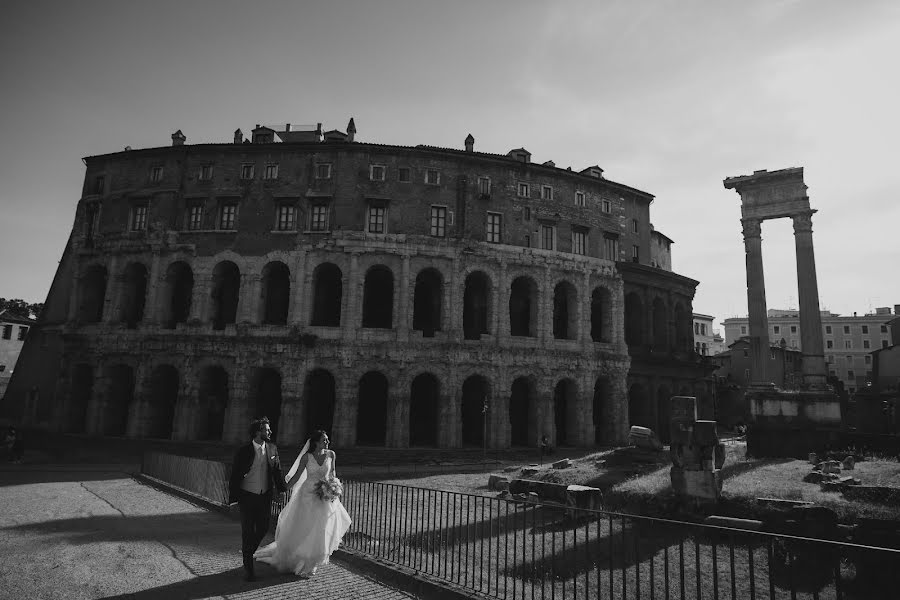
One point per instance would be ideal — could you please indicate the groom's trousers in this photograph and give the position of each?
(255, 511)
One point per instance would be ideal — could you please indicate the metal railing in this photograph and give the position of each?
(503, 548)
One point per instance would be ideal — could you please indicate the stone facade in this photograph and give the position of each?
(395, 296)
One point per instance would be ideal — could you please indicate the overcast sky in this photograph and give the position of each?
(669, 97)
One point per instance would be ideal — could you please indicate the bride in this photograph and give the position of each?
(309, 528)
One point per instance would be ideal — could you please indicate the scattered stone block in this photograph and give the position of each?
(510, 469)
(815, 477)
(782, 503)
(849, 480)
(529, 471)
(583, 496)
(643, 437)
(849, 463)
(498, 482)
(813, 521)
(562, 464)
(831, 466)
(733, 522)
(683, 408)
(813, 459)
(704, 485)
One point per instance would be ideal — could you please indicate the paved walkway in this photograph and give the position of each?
(70, 532)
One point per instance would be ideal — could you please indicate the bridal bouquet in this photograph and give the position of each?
(329, 489)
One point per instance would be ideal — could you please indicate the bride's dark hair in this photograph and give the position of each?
(314, 438)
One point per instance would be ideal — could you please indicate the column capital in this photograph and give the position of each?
(752, 228)
(803, 222)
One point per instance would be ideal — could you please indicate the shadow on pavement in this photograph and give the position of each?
(27, 475)
(200, 527)
(207, 586)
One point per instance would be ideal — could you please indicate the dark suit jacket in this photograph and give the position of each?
(243, 460)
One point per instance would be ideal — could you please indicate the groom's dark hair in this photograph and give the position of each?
(257, 424)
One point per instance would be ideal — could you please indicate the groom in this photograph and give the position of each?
(255, 473)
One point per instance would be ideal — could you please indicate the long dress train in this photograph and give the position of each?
(309, 529)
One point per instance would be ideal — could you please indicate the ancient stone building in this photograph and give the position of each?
(395, 296)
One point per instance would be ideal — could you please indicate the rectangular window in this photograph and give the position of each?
(743, 330)
(884, 343)
(247, 171)
(286, 217)
(772, 353)
(866, 344)
(611, 247)
(156, 174)
(634, 226)
(850, 375)
(829, 359)
(376, 219)
(548, 237)
(139, 217)
(528, 241)
(484, 186)
(579, 198)
(884, 329)
(777, 329)
(828, 329)
(635, 254)
(323, 170)
(546, 192)
(606, 206)
(228, 216)
(206, 172)
(868, 359)
(526, 214)
(7, 332)
(438, 221)
(22, 331)
(90, 219)
(494, 225)
(432, 177)
(848, 344)
(271, 171)
(846, 329)
(403, 175)
(99, 184)
(579, 242)
(849, 359)
(524, 190)
(376, 172)
(747, 374)
(793, 329)
(829, 343)
(195, 217)
(793, 343)
(865, 329)
(318, 217)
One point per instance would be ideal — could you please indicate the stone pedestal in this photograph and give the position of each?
(792, 423)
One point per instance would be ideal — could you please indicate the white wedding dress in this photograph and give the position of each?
(309, 529)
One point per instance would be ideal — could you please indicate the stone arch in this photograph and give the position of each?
(660, 325)
(120, 397)
(275, 293)
(371, 420)
(523, 307)
(639, 409)
(634, 319)
(565, 311)
(133, 294)
(162, 396)
(475, 391)
(601, 315)
(427, 299)
(226, 289)
(378, 298)
(328, 290)
(565, 412)
(265, 396)
(424, 410)
(320, 400)
(213, 400)
(92, 294)
(663, 412)
(683, 336)
(178, 291)
(81, 391)
(523, 413)
(600, 408)
(476, 305)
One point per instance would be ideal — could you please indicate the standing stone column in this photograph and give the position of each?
(201, 298)
(397, 425)
(343, 430)
(756, 302)
(404, 318)
(455, 300)
(151, 308)
(813, 363)
(501, 316)
(351, 315)
(248, 300)
(297, 315)
(112, 298)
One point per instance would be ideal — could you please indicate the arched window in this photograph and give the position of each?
(276, 293)
(178, 289)
(327, 296)
(476, 305)
(92, 294)
(601, 316)
(378, 298)
(226, 286)
(134, 295)
(427, 300)
(565, 311)
(523, 306)
(634, 319)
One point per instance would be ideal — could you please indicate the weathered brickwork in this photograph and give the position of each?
(326, 299)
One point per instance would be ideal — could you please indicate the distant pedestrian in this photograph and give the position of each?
(546, 448)
(15, 446)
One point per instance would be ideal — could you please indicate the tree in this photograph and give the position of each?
(21, 307)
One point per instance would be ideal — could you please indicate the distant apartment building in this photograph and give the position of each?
(13, 331)
(707, 341)
(849, 340)
(660, 250)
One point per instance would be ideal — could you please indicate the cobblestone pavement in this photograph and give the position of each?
(72, 533)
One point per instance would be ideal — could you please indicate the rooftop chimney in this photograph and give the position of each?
(470, 143)
(351, 130)
(238, 136)
(319, 132)
(178, 138)
(897, 309)
(287, 127)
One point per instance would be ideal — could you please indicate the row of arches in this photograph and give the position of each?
(664, 327)
(112, 402)
(429, 302)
